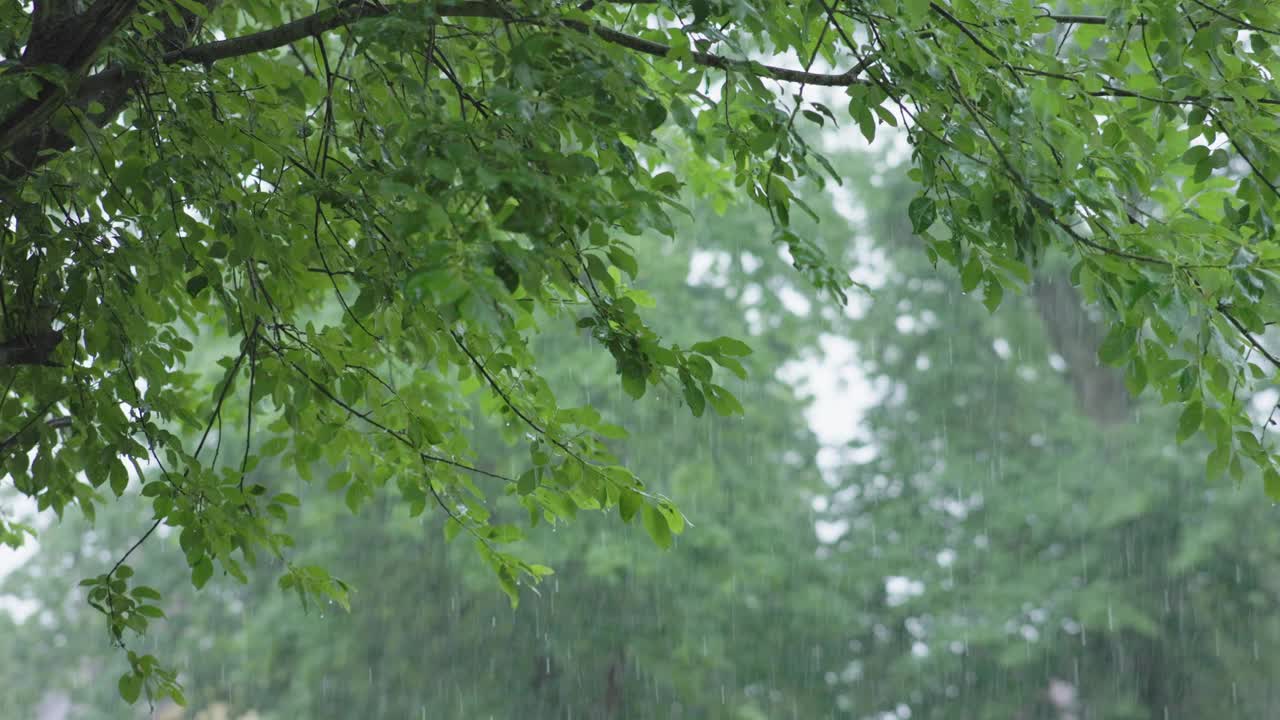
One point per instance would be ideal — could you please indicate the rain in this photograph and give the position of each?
(715, 457)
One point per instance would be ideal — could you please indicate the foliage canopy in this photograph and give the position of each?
(613, 633)
(378, 206)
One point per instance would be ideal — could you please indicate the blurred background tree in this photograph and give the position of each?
(1050, 551)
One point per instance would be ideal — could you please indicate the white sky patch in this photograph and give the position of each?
(901, 589)
(829, 532)
(708, 268)
(840, 391)
(793, 301)
(1263, 407)
(1001, 348)
(892, 141)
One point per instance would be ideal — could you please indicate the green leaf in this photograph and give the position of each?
(196, 284)
(993, 293)
(507, 581)
(1218, 461)
(1116, 344)
(1203, 170)
(143, 592)
(1189, 421)
(697, 402)
(672, 515)
(722, 401)
(916, 9)
(527, 483)
(1242, 258)
(699, 368)
(634, 384)
(623, 261)
(354, 496)
(629, 503)
(119, 479)
(657, 527)
(922, 211)
(201, 572)
(1271, 482)
(732, 347)
(1195, 154)
(130, 686)
(655, 113)
(193, 7)
(451, 529)
(971, 275)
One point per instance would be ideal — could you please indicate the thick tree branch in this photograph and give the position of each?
(41, 142)
(650, 47)
(334, 18)
(30, 349)
(323, 22)
(67, 46)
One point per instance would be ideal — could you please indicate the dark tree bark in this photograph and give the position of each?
(1100, 390)
(613, 691)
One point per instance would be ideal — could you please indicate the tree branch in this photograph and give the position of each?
(71, 44)
(53, 423)
(31, 140)
(30, 144)
(35, 348)
(1271, 357)
(334, 18)
(650, 47)
(1237, 21)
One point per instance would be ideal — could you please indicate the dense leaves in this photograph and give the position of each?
(374, 210)
(612, 632)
